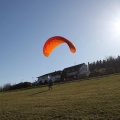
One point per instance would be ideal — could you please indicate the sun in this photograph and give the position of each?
(116, 27)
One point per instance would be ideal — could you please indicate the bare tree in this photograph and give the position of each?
(6, 87)
(1, 89)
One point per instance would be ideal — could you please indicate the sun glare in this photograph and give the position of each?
(116, 27)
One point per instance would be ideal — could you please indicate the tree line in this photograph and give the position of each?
(20, 85)
(104, 67)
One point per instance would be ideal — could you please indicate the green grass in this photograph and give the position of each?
(97, 98)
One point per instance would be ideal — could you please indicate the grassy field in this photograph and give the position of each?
(94, 99)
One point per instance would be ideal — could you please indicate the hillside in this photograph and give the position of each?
(97, 98)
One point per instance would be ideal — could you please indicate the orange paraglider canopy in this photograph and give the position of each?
(53, 42)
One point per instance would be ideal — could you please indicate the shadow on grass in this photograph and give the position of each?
(39, 92)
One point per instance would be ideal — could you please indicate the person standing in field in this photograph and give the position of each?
(50, 83)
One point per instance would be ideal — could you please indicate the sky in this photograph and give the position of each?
(93, 26)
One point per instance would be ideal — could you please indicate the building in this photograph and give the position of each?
(74, 72)
(77, 71)
(54, 76)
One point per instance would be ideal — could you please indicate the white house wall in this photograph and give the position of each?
(43, 78)
(53, 78)
(84, 70)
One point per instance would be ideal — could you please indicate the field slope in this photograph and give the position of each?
(97, 98)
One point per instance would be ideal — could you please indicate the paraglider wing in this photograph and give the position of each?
(53, 42)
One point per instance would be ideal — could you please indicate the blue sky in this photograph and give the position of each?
(93, 26)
